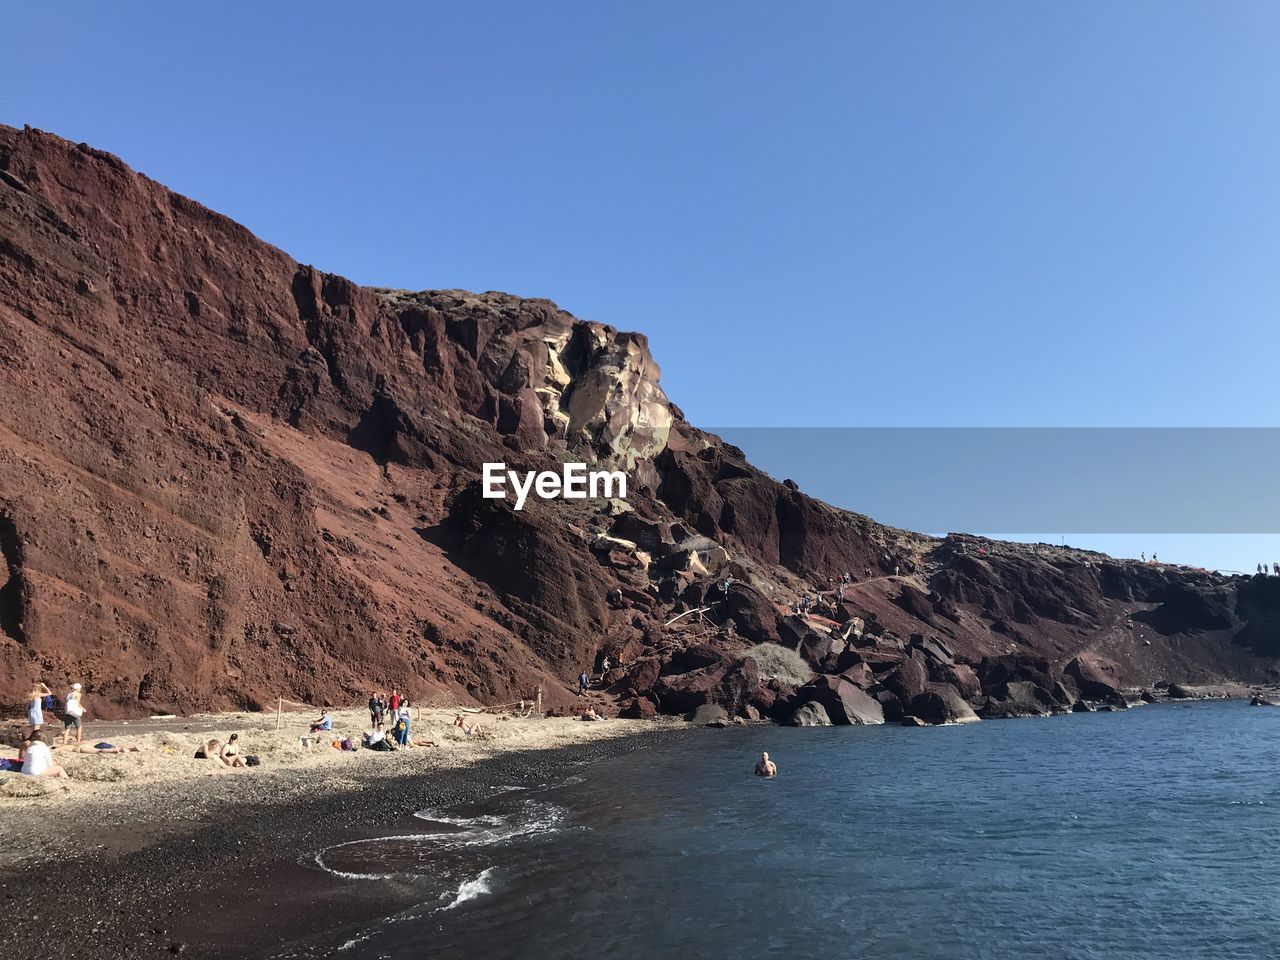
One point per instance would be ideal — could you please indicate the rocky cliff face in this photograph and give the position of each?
(227, 477)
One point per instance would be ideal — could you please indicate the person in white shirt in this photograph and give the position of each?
(37, 758)
(73, 714)
(376, 739)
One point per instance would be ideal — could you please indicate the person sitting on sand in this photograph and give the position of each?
(470, 729)
(37, 760)
(766, 767)
(208, 750)
(230, 752)
(324, 723)
(592, 715)
(376, 739)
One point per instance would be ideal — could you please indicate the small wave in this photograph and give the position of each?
(356, 941)
(535, 818)
(471, 889)
(346, 875)
(434, 816)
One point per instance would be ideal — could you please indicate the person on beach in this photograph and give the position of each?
(404, 715)
(376, 739)
(766, 767)
(470, 729)
(98, 749)
(582, 683)
(324, 723)
(35, 704)
(604, 668)
(73, 714)
(394, 703)
(37, 759)
(230, 752)
(375, 709)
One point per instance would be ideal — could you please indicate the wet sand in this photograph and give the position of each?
(158, 856)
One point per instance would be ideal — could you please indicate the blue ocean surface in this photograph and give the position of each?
(1148, 833)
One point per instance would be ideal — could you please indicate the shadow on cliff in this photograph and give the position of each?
(10, 578)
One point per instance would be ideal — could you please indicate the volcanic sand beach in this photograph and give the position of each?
(131, 853)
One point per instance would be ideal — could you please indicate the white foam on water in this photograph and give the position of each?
(471, 889)
(535, 818)
(433, 816)
(356, 941)
(319, 857)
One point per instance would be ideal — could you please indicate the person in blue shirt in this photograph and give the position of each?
(324, 723)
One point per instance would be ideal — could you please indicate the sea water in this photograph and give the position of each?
(1148, 833)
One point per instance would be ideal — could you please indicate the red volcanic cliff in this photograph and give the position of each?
(226, 477)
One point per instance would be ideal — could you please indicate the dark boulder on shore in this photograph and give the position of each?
(1095, 676)
(1020, 698)
(729, 683)
(844, 702)
(709, 715)
(942, 703)
(639, 708)
(810, 714)
(910, 679)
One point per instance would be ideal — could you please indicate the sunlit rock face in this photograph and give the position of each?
(612, 403)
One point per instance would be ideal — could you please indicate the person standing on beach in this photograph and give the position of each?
(394, 702)
(403, 714)
(35, 704)
(582, 683)
(766, 767)
(73, 715)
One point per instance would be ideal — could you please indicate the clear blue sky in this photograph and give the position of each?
(832, 213)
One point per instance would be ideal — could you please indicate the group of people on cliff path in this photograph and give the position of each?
(1262, 569)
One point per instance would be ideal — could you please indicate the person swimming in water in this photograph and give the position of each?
(766, 767)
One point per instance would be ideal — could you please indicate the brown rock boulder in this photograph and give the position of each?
(1019, 698)
(961, 676)
(814, 645)
(643, 674)
(845, 703)
(730, 684)
(1096, 676)
(910, 679)
(755, 615)
(941, 703)
(639, 708)
(811, 714)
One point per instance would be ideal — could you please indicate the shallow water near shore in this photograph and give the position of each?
(1145, 833)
